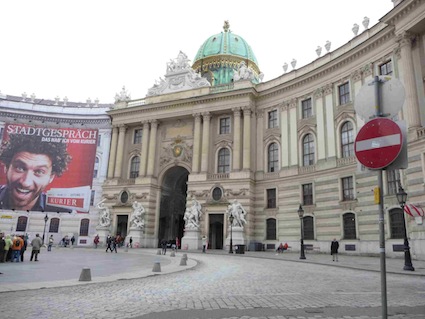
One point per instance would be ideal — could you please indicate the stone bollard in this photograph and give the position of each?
(156, 267)
(183, 262)
(173, 254)
(85, 274)
(159, 252)
(185, 256)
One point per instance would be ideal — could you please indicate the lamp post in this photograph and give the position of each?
(231, 218)
(46, 218)
(401, 198)
(301, 215)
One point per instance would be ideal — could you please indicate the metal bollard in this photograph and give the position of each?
(85, 274)
(183, 262)
(156, 267)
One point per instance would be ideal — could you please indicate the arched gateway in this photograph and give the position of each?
(173, 204)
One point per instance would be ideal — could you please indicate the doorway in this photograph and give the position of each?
(215, 235)
(173, 204)
(122, 222)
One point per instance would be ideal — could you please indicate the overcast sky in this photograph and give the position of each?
(92, 48)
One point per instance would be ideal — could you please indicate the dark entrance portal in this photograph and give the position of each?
(216, 231)
(122, 225)
(173, 204)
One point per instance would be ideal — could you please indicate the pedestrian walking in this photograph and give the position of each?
(164, 246)
(36, 244)
(96, 241)
(204, 244)
(2, 248)
(131, 242)
(24, 247)
(72, 240)
(334, 250)
(16, 248)
(50, 244)
(8, 248)
(109, 243)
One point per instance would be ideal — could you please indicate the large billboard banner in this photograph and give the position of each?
(46, 169)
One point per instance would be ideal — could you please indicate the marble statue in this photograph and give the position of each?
(104, 214)
(238, 212)
(137, 217)
(193, 215)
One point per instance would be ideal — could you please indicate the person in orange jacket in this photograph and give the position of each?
(17, 245)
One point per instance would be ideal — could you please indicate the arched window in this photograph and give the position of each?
(349, 220)
(397, 223)
(134, 167)
(22, 223)
(273, 158)
(308, 228)
(308, 150)
(223, 161)
(96, 167)
(271, 229)
(84, 227)
(347, 140)
(54, 225)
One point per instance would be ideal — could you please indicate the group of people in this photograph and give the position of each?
(13, 247)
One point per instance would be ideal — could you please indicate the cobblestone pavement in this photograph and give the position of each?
(226, 286)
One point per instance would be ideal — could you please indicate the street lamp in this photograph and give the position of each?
(231, 218)
(401, 198)
(46, 218)
(301, 215)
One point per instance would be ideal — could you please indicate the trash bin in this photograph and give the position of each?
(240, 249)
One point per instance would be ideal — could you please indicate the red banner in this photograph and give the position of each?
(47, 169)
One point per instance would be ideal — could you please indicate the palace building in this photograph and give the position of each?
(213, 131)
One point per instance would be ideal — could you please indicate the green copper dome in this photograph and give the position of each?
(220, 56)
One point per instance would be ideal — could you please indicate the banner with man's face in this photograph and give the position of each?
(47, 169)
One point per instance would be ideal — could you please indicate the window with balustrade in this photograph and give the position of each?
(308, 150)
(134, 167)
(347, 139)
(273, 158)
(223, 161)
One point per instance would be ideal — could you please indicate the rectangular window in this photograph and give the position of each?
(308, 194)
(84, 227)
(273, 119)
(225, 125)
(306, 108)
(92, 194)
(138, 133)
(347, 188)
(54, 225)
(393, 180)
(344, 93)
(271, 198)
(386, 68)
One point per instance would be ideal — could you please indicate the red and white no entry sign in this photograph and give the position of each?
(378, 143)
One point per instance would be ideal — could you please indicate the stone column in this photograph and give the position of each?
(260, 142)
(120, 151)
(196, 143)
(412, 105)
(247, 138)
(152, 145)
(205, 142)
(113, 152)
(237, 139)
(285, 133)
(144, 151)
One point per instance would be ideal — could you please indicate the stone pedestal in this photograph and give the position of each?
(237, 237)
(103, 232)
(191, 240)
(137, 235)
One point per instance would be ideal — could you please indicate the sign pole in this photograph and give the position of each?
(381, 214)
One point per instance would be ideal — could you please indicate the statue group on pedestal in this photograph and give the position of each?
(137, 219)
(193, 215)
(104, 214)
(236, 210)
